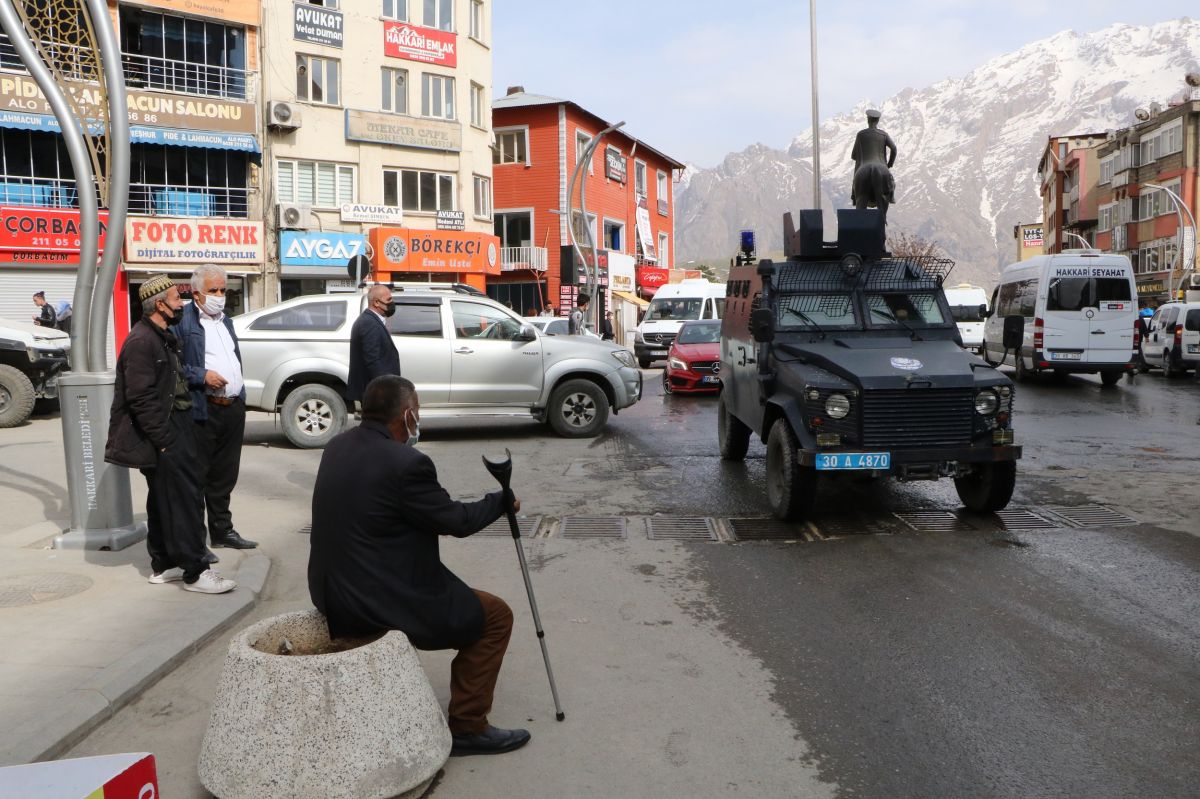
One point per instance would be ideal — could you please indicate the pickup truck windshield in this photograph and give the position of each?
(904, 309)
(677, 309)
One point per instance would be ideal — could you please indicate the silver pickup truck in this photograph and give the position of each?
(467, 355)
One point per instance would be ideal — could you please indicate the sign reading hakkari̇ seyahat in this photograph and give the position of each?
(20, 93)
(317, 25)
(426, 134)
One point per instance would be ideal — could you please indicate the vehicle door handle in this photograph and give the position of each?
(1097, 332)
(464, 351)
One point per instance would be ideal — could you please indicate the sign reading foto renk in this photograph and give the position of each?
(155, 239)
(414, 43)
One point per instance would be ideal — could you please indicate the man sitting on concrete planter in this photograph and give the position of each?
(378, 510)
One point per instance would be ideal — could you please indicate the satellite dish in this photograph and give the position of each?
(1142, 114)
(1192, 79)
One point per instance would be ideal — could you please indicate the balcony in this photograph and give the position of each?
(513, 259)
(161, 200)
(73, 61)
(1120, 179)
(41, 192)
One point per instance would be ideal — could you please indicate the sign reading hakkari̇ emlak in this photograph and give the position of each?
(426, 134)
(412, 42)
(317, 24)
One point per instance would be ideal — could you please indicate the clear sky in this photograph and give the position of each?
(699, 78)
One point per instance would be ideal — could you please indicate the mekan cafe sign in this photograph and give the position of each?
(152, 239)
(414, 43)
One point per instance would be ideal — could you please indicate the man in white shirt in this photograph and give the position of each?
(212, 362)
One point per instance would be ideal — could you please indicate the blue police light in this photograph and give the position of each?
(748, 241)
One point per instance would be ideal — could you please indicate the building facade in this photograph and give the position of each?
(630, 205)
(1067, 176)
(1029, 240)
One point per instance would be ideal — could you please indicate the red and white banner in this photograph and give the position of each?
(42, 235)
(152, 239)
(412, 42)
(652, 277)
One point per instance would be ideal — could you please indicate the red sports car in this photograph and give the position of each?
(694, 360)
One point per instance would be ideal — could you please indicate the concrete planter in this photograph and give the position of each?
(359, 724)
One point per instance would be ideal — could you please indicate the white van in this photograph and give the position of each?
(966, 302)
(1172, 340)
(1080, 310)
(674, 304)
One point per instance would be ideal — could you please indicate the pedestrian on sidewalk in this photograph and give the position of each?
(151, 430)
(372, 352)
(377, 512)
(46, 316)
(608, 334)
(212, 362)
(577, 321)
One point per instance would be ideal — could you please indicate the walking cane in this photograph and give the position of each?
(503, 473)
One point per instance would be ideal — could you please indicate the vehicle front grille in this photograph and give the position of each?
(704, 367)
(665, 339)
(917, 417)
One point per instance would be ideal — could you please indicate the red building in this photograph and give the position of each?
(630, 202)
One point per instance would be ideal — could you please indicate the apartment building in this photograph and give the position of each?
(378, 142)
(1067, 176)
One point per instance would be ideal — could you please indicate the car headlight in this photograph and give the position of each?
(986, 403)
(837, 406)
(624, 357)
(637, 336)
(676, 363)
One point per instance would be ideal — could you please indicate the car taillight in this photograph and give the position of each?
(1178, 335)
(1038, 333)
(1137, 334)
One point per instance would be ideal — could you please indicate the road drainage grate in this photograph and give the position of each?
(935, 521)
(1091, 516)
(1021, 519)
(768, 529)
(593, 527)
(681, 528)
(853, 524)
(528, 525)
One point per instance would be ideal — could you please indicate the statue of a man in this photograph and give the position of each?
(874, 153)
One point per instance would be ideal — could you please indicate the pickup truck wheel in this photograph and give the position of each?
(313, 414)
(733, 437)
(16, 396)
(989, 487)
(791, 488)
(578, 409)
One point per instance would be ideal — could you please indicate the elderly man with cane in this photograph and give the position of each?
(378, 510)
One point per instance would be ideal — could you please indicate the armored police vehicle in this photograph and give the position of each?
(843, 358)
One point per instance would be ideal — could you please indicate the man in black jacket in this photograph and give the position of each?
(46, 314)
(150, 429)
(378, 510)
(372, 352)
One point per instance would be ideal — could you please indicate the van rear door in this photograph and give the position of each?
(1114, 312)
(1067, 327)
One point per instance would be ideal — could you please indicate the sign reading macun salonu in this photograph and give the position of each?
(426, 134)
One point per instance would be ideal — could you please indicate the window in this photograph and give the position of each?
(439, 14)
(582, 140)
(477, 112)
(416, 319)
(639, 178)
(181, 54)
(1105, 218)
(663, 241)
(515, 228)
(437, 96)
(318, 183)
(186, 181)
(36, 170)
(396, 9)
(1172, 137)
(395, 91)
(477, 20)
(324, 3)
(582, 232)
(664, 193)
(415, 190)
(483, 196)
(614, 236)
(476, 320)
(511, 147)
(317, 79)
(309, 316)
(1106, 169)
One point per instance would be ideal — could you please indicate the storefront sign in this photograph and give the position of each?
(30, 235)
(643, 229)
(298, 248)
(426, 134)
(614, 165)
(243, 11)
(451, 220)
(412, 42)
(152, 239)
(399, 249)
(316, 24)
(1153, 287)
(1031, 237)
(621, 271)
(379, 214)
(651, 277)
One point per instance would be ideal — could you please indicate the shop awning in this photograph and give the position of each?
(142, 134)
(183, 269)
(635, 299)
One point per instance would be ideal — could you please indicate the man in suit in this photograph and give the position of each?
(377, 512)
(372, 352)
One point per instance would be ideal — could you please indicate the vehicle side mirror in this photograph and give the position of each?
(526, 333)
(1014, 332)
(984, 313)
(762, 325)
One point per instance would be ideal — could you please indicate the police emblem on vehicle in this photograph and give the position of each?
(907, 364)
(395, 249)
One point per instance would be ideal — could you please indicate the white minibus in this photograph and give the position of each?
(674, 304)
(968, 306)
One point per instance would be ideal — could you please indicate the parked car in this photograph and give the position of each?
(555, 325)
(1172, 341)
(694, 360)
(31, 358)
(468, 355)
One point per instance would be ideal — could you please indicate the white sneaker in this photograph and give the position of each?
(210, 582)
(166, 576)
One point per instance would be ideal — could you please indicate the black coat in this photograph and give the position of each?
(377, 512)
(144, 396)
(372, 354)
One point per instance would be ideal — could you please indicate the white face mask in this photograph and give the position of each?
(214, 304)
(414, 432)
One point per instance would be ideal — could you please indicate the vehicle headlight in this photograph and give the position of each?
(986, 403)
(837, 406)
(624, 357)
(637, 336)
(676, 363)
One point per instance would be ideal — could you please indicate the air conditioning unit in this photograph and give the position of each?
(294, 216)
(1193, 282)
(283, 116)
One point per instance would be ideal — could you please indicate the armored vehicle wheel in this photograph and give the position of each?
(16, 396)
(989, 487)
(733, 437)
(791, 488)
(667, 384)
(1110, 378)
(644, 363)
(312, 415)
(578, 409)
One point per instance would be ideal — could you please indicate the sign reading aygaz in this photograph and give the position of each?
(403, 131)
(156, 239)
(412, 42)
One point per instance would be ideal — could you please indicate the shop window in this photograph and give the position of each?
(318, 79)
(317, 183)
(437, 96)
(182, 54)
(395, 91)
(511, 147)
(417, 190)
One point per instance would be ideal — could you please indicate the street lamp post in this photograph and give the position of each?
(1185, 253)
(816, 117)
(593, 271)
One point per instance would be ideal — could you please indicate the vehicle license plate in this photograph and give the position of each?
(1193, 348)
(710, 379)
(658, 352)
(854, 460)
(1065, 356)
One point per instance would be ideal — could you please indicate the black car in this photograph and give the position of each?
(843, 358)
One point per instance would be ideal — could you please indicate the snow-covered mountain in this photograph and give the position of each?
(968, 147)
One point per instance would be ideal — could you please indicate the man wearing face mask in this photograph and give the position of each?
(151, 429)
(212, 362)
(377, 512)
(372, 352)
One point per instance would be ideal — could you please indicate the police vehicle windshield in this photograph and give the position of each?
(904, 309)
(819, 311)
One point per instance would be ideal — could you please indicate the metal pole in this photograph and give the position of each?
(816, 115)
(85, 179)
(1183, 256)
(586, 158)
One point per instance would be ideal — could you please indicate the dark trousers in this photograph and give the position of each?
(474, 670)
(219, 449)
(175, 527)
